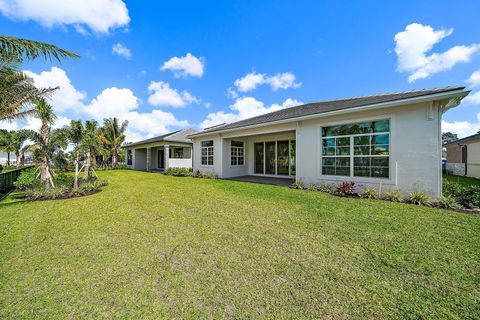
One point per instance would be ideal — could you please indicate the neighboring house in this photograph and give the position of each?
(384, 141)
(173, 149)
(463, 156)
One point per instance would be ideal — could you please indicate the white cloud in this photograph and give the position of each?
(67, 97)
(183, 67)
(121, 51)
(413, 45)
(112, 101)
(243, 108)
(461, 128)
(231, 93)
(474, 79)
(99, 15)
(252, 80)
(164, 95)
(473, 98)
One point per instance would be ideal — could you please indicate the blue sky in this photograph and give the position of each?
(227, 60)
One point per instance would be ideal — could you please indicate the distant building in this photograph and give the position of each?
(463, 156)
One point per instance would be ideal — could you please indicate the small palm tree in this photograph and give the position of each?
(18, 138)
(6, 143)
(112, 136)
(46, 142)
(90, 145)
(75, 132)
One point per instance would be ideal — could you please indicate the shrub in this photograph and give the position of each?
(418, 198)
(1, 168)
(178, 172)
(392, 195)
(63, 179)
(197, 174)
(447, 203)
(209, 175)
(345, 189)
(27, 180)
(468, 196)
(312, 187)
(369, 193)
(297, 185)
(328, 188)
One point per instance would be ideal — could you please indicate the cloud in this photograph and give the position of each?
(462, 128)
(474, 79)
(252, 80)
(67, 97)
(413, 45)
(100, 16)
(121, 51)
(473, 98)
(183, 67)
(164, 95)
(243, 108)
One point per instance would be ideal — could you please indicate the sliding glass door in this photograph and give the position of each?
(275, 157)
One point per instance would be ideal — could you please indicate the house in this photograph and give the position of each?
(463, 156)
(173, 149)
(383, 141)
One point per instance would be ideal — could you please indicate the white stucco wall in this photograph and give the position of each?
(415, 148)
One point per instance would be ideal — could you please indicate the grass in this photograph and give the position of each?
(465, 181)
(151, 246)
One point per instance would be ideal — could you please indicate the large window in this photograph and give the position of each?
(207, 153)
(237, 153)
(176, 153)
(358, 149)
(274, 157)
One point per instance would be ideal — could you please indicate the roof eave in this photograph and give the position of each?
(436, 96)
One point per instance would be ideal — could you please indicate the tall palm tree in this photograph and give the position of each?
(46, 142)
(6, 143)
(18, 50)
(17, 89)
(90, 145)
(112, 136)
(18, 138)
(75, 132)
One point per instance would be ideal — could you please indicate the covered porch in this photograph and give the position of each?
(159, 157)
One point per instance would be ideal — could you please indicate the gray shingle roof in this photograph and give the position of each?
(327, 106)
(175, 136)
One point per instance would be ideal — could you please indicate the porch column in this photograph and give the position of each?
(166, 152)
(149, 158)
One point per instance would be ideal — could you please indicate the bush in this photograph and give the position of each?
(392, 195)
(369, 193)
(297, 185)
(418, 198)
(209, 175)
(467, 196)
(328, 188)
(63, 179)
(312, 187)
(447, 202)
(1, 168)
(346, 189)
(178, 172)
(27, 180)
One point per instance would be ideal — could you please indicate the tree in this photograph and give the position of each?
(6, 143)
(448, 137)
(90, 145)
(18, 138)
(17, 90)
(18, 50)
(112, 136)
(46, 142)
(75, 134)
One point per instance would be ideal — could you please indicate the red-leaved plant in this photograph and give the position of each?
(346, 189)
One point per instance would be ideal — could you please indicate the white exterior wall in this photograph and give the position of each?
(415, 149)
(217, 167)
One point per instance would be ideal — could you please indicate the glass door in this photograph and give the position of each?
(258, 155)
(270, 157)
(282, 158)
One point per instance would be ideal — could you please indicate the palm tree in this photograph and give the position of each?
(18, 50)
(90, 145)
(18, 138)
(6, 143)
(75, 132)
(16, 89)
(112, 136)
(46, 142)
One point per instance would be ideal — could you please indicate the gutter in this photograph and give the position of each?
(459, 94)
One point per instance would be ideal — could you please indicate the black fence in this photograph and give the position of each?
(8, 178)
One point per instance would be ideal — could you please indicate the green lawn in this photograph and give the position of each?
(150, 246)
(465, 181)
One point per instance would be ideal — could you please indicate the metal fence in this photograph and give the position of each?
(8, 178)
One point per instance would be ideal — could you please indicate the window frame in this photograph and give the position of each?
(209, 155)
(237, 155)
(352, 156)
